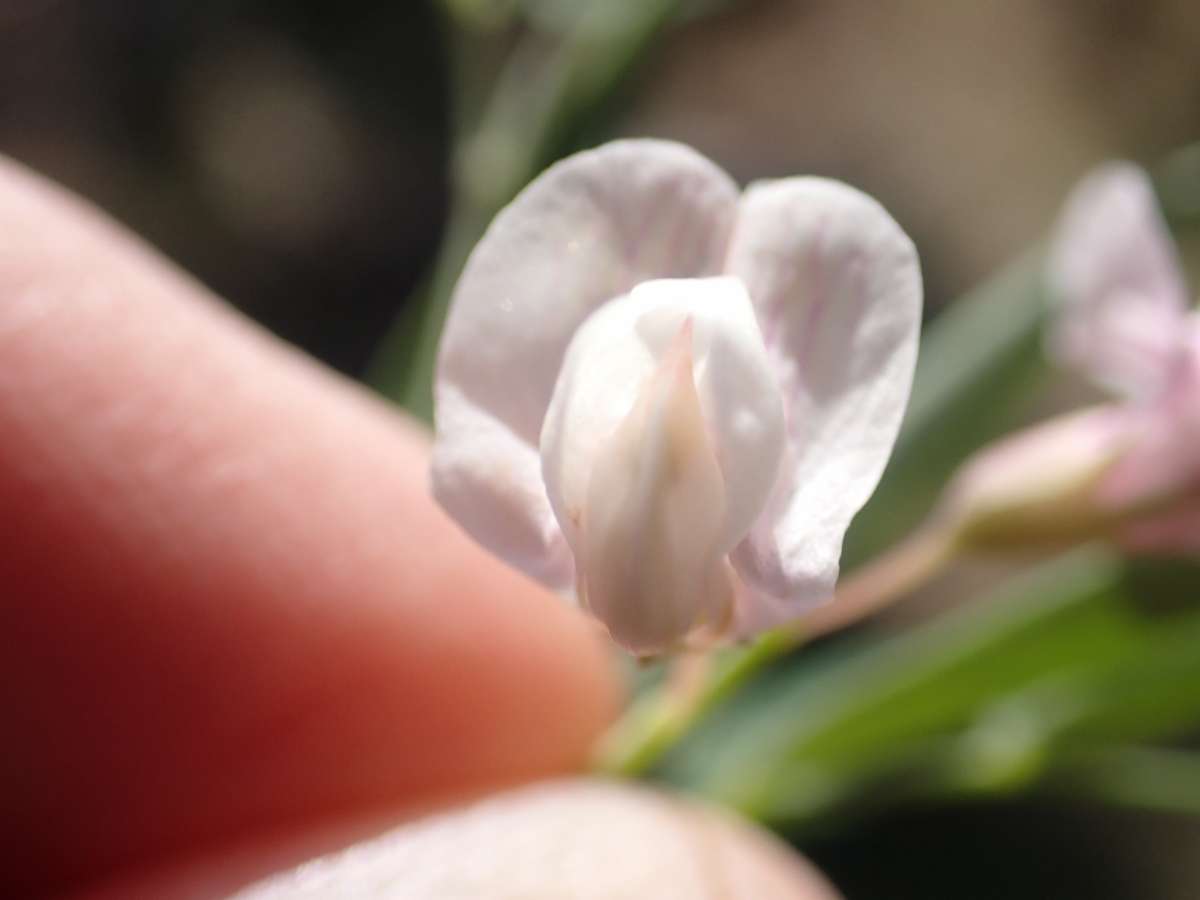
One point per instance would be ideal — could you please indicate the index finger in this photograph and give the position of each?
(228, 600)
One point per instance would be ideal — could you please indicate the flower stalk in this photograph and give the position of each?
(699, 681)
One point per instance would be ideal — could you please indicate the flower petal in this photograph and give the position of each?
(614, 355)
(586, 230)
(1115, 270)
(1163, 463)
(837, 288)
(488, 479)
(625, 491)
(655, 510)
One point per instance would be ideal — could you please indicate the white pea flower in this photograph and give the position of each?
(1127, 470)
(673, 397)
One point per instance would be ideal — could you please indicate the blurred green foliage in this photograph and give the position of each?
(1004, 694)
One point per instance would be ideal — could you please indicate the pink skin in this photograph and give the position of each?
(230, 610)
(235, 629)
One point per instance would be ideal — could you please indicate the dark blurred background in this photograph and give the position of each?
(289, 154)
(294, 157)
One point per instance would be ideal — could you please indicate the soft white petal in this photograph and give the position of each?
(655, 510)
(837, 288)
(586, 230)
(612, 359)
(489, 480)
(1114, 268)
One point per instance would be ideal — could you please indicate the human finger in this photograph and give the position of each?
(228, 600)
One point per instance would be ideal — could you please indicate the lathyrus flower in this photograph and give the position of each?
(1128, 470)
(671, 397)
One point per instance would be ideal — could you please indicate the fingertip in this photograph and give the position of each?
(567, 838)
(230, 600)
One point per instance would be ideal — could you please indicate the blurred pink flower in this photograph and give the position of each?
(671, 396)
(1129, 470)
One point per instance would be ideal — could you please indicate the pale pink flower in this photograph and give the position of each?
(672, 397)
(1128, 470)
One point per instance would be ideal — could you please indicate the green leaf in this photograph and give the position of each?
(983, 700)
(1146, 778)
(859, 704)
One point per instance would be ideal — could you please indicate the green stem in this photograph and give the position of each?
(1138, 777)
(661, 716)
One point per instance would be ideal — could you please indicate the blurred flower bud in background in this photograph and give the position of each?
(1128, 471)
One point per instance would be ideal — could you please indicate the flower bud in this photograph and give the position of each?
(1039, 486)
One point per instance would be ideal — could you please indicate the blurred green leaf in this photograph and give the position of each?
(868, 701)
(482, 15)
(1153, 693)
(561, 16)
(1147, 778)
(978, 701)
